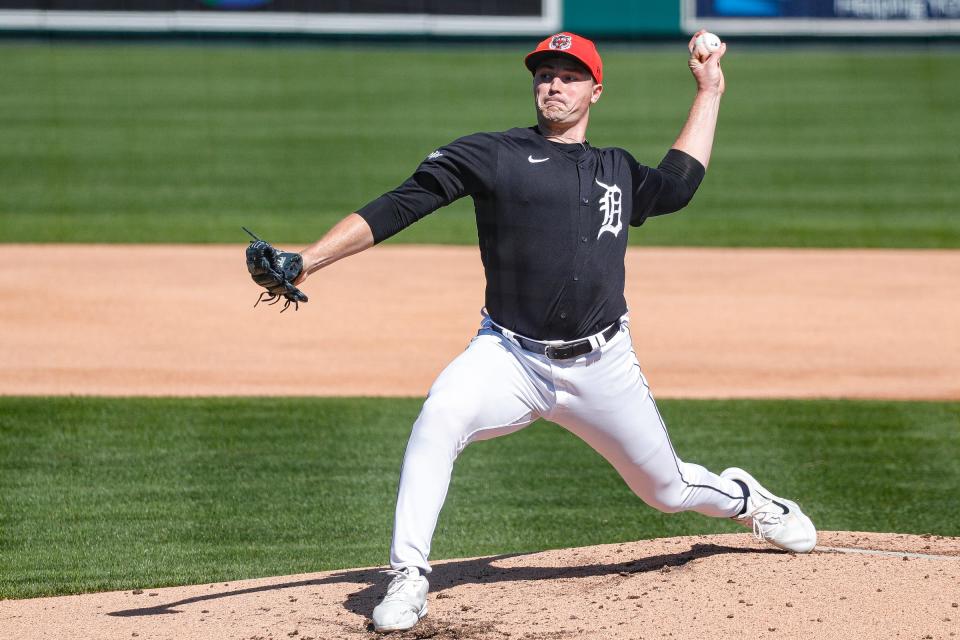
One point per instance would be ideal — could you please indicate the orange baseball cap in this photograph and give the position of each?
(567, 44)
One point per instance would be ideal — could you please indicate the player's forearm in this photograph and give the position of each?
(696, 137)
(349, 236)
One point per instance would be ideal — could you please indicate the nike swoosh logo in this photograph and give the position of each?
(533, 160)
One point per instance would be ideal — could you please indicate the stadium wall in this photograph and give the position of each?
(631, 19)
(623, 18)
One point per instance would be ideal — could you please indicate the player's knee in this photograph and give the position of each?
(454, 412)
(667, 497)
(443, 422)
(665, 504)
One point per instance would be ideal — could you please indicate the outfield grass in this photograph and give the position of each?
(116, 494)
(829, 148)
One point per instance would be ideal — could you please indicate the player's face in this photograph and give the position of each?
(564, 90)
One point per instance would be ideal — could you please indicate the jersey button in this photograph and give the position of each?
(583, 238)
(584, 201)
(563, 315)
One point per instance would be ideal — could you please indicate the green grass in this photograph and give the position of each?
(123, 493)
(138, 143)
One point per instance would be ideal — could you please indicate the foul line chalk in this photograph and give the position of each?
(892, 554)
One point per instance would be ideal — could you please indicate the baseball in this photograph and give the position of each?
(705, 44)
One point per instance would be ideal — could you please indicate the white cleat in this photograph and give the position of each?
(405, 602)
(780, 522)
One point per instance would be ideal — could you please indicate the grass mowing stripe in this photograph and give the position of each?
(123, 493)
(138, 143)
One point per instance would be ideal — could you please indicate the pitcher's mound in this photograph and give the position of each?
(855, 585)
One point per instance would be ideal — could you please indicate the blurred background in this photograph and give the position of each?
(179, 120)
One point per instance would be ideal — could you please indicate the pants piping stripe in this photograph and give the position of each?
(676, 461)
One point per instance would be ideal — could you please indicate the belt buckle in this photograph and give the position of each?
(567, 351)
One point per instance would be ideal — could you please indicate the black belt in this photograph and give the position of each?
(560, 351)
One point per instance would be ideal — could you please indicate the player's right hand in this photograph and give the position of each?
(708, 74)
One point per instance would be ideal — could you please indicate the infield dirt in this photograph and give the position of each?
(697, 587)
(178, 320)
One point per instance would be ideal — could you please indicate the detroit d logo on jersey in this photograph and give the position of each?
(610, 207)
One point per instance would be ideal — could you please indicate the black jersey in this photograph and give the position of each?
(552, 221)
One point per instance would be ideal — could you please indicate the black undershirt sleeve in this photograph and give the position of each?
(466, 166)
(667, 188)
(394, 211)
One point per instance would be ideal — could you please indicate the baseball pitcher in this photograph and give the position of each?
(553, 213)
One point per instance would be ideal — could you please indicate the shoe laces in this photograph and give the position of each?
(764, 516)
(401, 580)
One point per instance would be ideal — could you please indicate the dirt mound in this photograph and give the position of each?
(864, 585)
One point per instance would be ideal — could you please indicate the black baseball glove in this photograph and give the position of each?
(275, 271)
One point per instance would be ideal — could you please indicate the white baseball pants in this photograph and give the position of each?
(494, 388)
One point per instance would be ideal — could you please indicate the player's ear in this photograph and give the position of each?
(597, 90)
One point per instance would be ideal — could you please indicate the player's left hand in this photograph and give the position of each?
(276, 271)
(707, 71)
